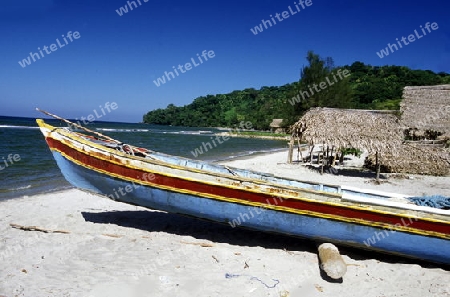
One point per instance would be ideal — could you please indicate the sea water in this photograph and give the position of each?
(28, 168)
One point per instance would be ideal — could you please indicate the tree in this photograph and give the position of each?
(321, 84)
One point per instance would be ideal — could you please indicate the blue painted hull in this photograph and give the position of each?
(238, 215)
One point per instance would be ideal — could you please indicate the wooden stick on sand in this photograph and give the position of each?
(35, 228)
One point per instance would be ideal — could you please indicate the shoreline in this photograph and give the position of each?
(283, 138)
(32, 194)
(99, 247)
(248, 156)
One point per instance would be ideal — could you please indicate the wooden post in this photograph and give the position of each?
(299, 153)
(331, 261)
(291, 150)
(333, 161)
(323, 158)
(311, 155)
(377, 164)
(299, 150)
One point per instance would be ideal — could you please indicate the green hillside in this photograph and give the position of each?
(321, 84)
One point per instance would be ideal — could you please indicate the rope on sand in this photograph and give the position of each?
(229, 275)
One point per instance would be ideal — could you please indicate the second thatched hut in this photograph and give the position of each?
(377, 132)
(380, 133)
(374, 131)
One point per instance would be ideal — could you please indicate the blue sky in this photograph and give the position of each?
(117, 58)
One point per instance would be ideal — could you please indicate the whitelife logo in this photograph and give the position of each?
(411, 38)
(9, 161)
(53, 48)
(323, 85)
(208, 146)
(93, 117)
(281, 16)
(187, 66)
(124, 9)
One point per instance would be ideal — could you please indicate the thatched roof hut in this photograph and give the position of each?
(426, 108)
(377, 132)
(276, 126)
(415, 159)
(370, 130)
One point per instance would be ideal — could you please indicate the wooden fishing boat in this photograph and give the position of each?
(360, 218)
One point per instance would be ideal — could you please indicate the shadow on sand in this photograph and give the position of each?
(350, 172)
(152, 221)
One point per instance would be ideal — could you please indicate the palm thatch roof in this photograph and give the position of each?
(427, 108)
(415, 159)
(375, 132)
(370, 130)
(276, 123)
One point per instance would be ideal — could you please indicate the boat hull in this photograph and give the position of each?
(255, 217)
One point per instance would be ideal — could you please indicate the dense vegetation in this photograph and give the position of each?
(364, 87)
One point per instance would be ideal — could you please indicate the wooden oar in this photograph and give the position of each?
(78, 126)
(133, 148)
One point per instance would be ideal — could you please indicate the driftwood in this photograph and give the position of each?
(39, 229)
(215, 258)
(331, 261)
(112, 235)
(202, 244)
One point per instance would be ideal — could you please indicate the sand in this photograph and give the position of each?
(114, 249)
(350, 174)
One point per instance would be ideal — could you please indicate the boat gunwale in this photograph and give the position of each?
(343, 201)
(196, 170)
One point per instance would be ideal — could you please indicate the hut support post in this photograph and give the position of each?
(377, 165)
(323, 158)
(299, 151)
(291, 150)
(333, 156)
(311, 155)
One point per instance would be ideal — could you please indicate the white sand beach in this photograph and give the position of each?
(106, 248)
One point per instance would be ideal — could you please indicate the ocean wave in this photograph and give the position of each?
(121, 130)
(247, 154)
(200, 132)
(20, 188)
(18, 127)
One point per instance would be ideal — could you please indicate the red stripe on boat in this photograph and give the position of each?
(244, 196)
